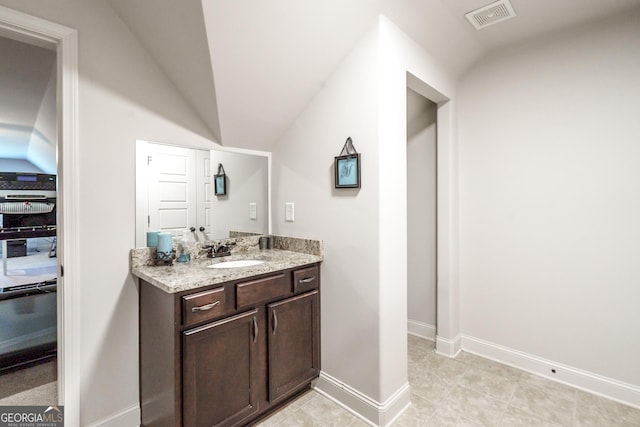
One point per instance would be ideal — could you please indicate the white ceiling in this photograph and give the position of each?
(269, 58)
(173, 32)
(25, 71)
(535, 18)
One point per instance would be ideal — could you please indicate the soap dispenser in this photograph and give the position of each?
(182, 243)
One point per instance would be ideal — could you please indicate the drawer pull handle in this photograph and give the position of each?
(307, 280)
(255, 329)
(205, 307)
(275, 322)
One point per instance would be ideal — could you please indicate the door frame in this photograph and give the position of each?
(447, 294)
(64, 40)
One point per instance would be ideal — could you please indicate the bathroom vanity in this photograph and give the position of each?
(224, 346)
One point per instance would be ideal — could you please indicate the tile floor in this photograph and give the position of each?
(470, 391)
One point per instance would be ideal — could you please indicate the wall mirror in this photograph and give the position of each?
(175, 192)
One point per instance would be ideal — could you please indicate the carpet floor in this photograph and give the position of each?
(34, 385)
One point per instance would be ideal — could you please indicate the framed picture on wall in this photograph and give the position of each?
(347, 171)
(221, 185)
(220, 182)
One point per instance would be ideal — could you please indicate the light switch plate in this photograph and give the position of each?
(289, 212)
(253, 211)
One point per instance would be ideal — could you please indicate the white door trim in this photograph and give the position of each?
(64, 40)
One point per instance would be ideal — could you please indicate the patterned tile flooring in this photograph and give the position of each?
(470, 391)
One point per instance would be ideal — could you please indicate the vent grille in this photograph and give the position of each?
(25, 208)
(491, 14)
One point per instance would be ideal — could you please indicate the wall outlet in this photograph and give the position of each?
(289, 212)
(253, 211)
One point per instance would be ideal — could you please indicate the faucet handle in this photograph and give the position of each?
(210, 250)
(223, 247)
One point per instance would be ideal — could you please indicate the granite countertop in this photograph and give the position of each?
(195, 274)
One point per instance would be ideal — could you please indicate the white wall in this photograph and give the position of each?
(123, 96)
(549, 206)
(345, 219)
(364, 294)
(42, 144)
(403, 63)
(247, 182)
(18, 165)
(421, 215)
(27, 95)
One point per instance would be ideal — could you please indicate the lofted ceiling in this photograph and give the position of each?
(173, 32)
(261, 62)
(25, 73)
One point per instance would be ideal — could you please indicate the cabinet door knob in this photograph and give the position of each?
(201, 228)
(205, 307)
(275, 322)
(192, 229)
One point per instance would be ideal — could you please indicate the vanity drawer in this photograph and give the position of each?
(203, 306)
(252, 293)
(306, 279)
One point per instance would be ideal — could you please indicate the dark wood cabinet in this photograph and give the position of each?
(220, 366)
(294, 344)
(225, 355)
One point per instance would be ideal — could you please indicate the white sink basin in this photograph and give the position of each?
(236, 264)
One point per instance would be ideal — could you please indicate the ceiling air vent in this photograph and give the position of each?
(491, 14)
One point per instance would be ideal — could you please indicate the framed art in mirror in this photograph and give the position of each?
(220, 182)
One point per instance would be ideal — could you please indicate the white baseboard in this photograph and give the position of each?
(129, 417)
(421, 329)
(370, 411)
(448, 347)
(593, 383)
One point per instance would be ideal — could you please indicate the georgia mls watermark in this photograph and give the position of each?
(31, 416)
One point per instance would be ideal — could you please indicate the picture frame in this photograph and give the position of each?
(220, 185)
(347, 171)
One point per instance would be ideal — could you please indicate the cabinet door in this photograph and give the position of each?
(220, 368)
(294, 343)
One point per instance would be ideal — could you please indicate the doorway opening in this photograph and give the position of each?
(64, 41)
(421, 217)
(28, 221)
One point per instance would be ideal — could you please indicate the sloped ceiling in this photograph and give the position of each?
(173, 32)
(269, 58)
(25, 72)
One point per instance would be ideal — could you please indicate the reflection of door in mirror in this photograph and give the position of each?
(178, 191)
(174, 192)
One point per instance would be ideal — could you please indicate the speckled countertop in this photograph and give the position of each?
(194, 274)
